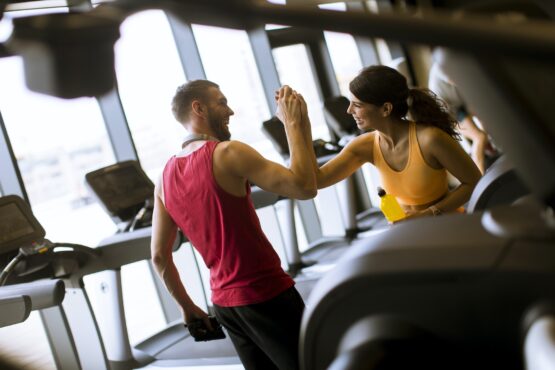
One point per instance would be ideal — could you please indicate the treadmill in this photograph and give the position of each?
(126, 193)
(46, 276)
(20, 233)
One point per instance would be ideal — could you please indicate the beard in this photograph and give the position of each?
(219, 129)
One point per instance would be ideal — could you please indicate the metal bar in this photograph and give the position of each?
(476, 34)
(262, 51)
(293, 35)
(116, 125)
(323, 69)
(187, 48)
(11, 181)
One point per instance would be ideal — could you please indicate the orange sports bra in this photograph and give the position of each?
(417, 183)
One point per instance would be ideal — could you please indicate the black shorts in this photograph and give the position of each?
(266, 335)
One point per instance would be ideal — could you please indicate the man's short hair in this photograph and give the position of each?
(186, 94)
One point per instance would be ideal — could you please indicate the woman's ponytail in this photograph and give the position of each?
(426, 107)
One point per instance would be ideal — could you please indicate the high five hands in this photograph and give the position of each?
(291, 107)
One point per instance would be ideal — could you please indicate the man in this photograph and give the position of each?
(445, 89)
(205, 191)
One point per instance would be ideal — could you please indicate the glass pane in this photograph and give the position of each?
(334, 6)
(5, 28)
(239, 81)
(269, 27)
(148, 70)
(55, 142)
(344, 57)
(294, 69)
(343, 52)
(382, 49)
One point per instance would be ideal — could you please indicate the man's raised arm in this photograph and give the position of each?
(299, 180)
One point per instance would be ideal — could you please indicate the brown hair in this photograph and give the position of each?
(380, 84)
(186, 94)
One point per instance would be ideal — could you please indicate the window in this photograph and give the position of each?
(294, 69)
(340, 45)
(5, 29)
(381, 45)
(239, 81)
(56, 142)
(148, 71)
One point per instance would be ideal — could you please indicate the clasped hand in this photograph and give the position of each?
(290, 105)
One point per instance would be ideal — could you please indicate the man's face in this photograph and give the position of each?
(218, 114)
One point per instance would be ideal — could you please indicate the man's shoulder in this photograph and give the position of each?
(236, 157)
(233, 147)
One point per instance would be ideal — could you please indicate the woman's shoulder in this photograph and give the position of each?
(363, 140)
(429, 134)
(435, 142)
(362, 146)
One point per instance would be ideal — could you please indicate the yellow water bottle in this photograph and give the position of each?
(391, 209)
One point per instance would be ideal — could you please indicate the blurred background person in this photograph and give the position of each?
(481, 149)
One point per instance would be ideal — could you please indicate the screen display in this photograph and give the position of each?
(13, 223)
(121, 188)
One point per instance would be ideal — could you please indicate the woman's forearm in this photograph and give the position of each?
(455, 198)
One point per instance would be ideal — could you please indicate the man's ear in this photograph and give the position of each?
(197, 108)
(387, 108)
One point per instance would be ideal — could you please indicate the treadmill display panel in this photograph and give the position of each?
(122, 188)
(13, 224)
(18, 226)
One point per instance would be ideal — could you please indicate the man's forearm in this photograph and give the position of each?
(292, 112)
(302, 155)
(170, 276)
(307, 131)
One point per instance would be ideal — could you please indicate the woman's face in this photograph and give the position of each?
(366, 115)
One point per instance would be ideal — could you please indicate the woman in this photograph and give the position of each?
(412, 155)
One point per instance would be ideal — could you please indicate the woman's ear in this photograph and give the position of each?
(387, 108)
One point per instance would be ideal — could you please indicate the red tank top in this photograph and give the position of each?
(224, 229)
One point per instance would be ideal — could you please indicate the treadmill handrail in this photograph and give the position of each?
(42, 293)
(539, 344)
(14, 309)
